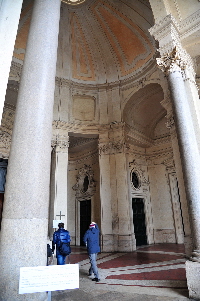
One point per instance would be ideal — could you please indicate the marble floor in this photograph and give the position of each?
(155, 272)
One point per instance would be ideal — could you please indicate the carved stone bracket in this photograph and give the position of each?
(112, 147)
(85, 186)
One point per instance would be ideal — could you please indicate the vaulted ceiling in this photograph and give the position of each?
(100, 41)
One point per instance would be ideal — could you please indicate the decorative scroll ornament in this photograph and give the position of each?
(172, 62)
(85, 185)
(112, 147)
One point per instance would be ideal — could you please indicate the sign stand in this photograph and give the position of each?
(42, 278)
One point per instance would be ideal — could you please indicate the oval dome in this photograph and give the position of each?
(99, 41)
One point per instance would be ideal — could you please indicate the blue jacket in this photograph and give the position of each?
(58, 236)
(91, 240)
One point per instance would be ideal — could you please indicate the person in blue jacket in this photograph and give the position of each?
(60, 235)
(91, 240)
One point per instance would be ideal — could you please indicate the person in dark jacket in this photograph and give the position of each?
(61, 235)
(91, 240)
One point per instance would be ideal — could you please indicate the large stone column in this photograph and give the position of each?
(178, 67)
(175, 65)
(181, 210)
(25, 214)
(9, 19)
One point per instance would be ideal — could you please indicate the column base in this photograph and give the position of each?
(193, 279)
(188, 245)
(118, 243)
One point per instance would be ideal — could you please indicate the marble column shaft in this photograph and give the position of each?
(61, 170)
(25, 213)
(9, 19)
(105, 194)
(189, 151)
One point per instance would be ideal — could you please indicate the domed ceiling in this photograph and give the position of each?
(99, 41)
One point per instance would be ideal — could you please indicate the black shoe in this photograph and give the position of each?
(96, 279)
(89, 274)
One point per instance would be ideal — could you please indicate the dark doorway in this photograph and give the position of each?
(3, 171)
(139, 221)
(85, 218)
(1, 206)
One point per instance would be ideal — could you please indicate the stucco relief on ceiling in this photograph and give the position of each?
(105, 38)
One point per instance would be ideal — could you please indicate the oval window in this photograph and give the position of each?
(135, 180)
(85, 184)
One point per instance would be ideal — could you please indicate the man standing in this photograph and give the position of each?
(59, 237)
(91, 240)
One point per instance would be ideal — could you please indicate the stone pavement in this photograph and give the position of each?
(151, 273)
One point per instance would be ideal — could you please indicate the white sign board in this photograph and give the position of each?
(56, 222)
(48, 278)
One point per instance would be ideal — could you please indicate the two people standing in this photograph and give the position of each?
(91, 240)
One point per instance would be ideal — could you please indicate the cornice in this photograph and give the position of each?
(167, 25)
(112, 147)
(190, 25)
(123, 84)
(133, 134)
(81, 142)
(85, 158)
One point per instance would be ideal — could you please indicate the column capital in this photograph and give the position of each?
(60, 143)
(172, 61)
(174, 57)
(177, 60)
